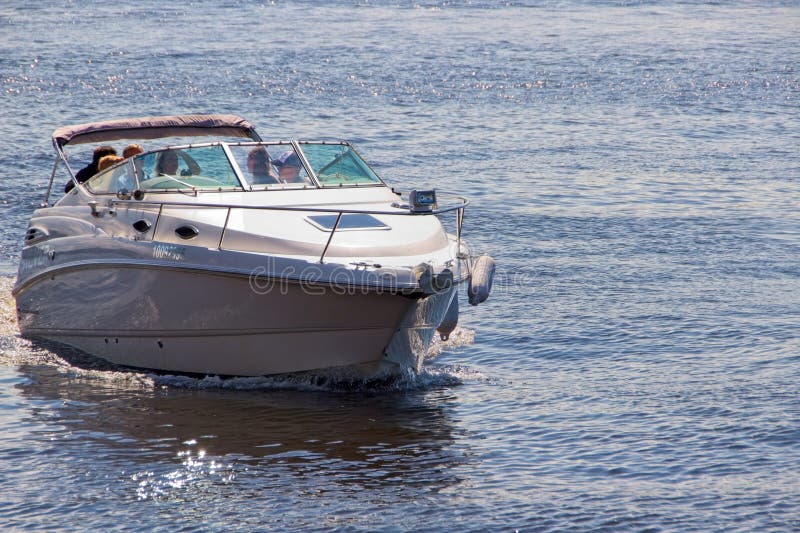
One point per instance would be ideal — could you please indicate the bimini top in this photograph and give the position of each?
(155, 128)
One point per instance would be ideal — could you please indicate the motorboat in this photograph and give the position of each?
(221, 253)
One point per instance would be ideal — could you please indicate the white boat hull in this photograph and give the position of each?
(181, 259)
(210, 322)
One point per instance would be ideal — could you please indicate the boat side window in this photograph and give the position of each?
(338, 164)
(202, 167)
(112, 180)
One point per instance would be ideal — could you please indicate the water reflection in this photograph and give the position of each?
(166, 439)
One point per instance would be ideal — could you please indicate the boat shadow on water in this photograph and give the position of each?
(201, 430)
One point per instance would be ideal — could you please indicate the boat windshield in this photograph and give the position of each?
(199, 167)
(114, 179)
(337, 164)
(270, 165)
(262, 165)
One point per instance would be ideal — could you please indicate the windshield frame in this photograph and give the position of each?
(298, 148)
(241, 175)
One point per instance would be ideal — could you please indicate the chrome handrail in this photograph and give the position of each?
(400, 210)
(463, 203)
(330, 238)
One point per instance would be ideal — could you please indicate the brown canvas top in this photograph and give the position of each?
(156, 128)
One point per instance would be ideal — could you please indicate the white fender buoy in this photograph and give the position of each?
(450, 320)
(480, 283)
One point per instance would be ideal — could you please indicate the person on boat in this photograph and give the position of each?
(260, 166)
(132, 150)
(124, 180)
(107, 161)
(168, 164)
(288, 165)
(91, 169)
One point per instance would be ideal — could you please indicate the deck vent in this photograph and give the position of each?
(142, 226)
(34, 235)
(187, 232)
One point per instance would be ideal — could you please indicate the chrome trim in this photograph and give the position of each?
(393, 286)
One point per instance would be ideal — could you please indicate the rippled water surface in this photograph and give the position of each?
(634, 169)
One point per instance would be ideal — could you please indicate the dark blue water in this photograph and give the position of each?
(634, 169)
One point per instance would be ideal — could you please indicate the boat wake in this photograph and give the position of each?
(331, 380)
(14, 351)
(8, 309)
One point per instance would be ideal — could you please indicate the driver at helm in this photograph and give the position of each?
(288, 165)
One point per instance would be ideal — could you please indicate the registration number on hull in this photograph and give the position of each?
(172, 252)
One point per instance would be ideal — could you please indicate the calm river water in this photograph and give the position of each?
(634, 169)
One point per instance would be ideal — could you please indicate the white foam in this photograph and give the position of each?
(8, 308)
(459, 337)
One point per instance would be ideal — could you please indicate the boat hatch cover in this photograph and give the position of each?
(349, 221)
